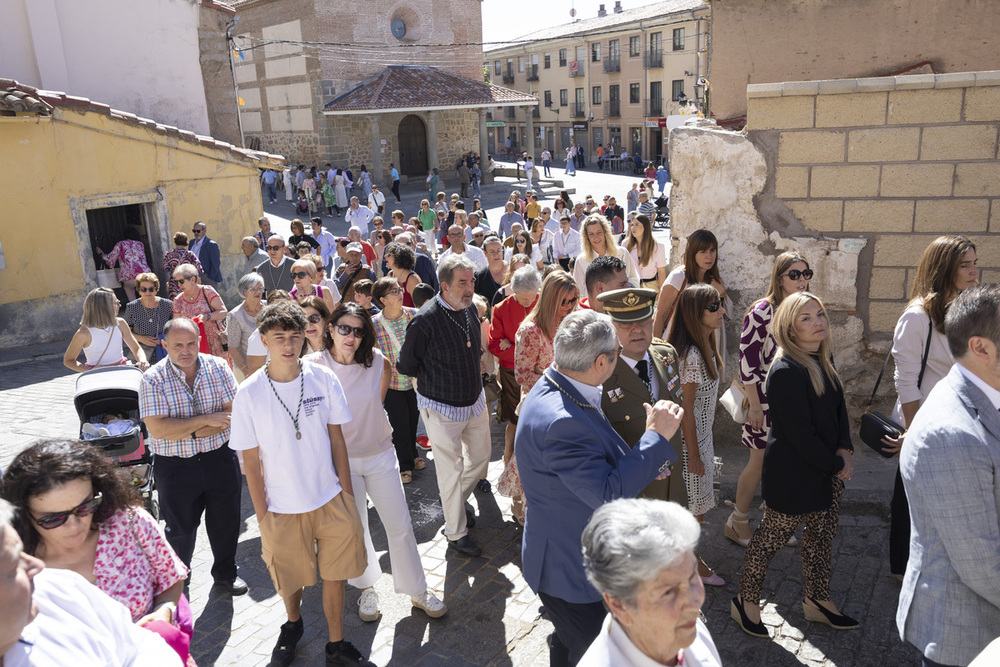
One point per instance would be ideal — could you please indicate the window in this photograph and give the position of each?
(613, 92)
(496, 67)
(563, 98)
(562, 57)
(634, 47)
(613, 48)
(520, 64)
(595, 52)
(595, 95)
(579, 96)
(676, 89)
(678, 39)
(655, 42)
(633, 93)
(548, 98)
(548, 60)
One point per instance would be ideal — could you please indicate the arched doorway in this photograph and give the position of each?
(412, 146)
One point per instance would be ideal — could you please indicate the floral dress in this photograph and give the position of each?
(201, 306)
(757, 350)
(172, 260)
(130, 256)
(701, 493)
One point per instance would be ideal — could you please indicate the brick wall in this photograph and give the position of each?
(895, 160)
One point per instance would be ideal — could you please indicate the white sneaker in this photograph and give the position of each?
(368, 605)
(430, 604)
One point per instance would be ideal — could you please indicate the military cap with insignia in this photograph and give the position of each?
(632, 304)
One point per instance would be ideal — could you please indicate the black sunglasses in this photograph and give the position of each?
(345, 330)
(315, 318)
(301, 275)
(147, 289)
(86, 508)
(714, 306)
(275, 247)
(197, 231)
(795, 274)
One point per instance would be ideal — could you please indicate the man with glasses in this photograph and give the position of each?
(276, 271)
(376, 200)
(456, 237)
(566, 243)
(571, 461)
(208, 254)
(474, 227)
(186, 401)
(254, 255)
(550, 223)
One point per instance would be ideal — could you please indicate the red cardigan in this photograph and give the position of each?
(507, 317)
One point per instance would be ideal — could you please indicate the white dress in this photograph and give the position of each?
(701, 494)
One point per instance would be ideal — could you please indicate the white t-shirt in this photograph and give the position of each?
(78, 624)
(658, 259)
(298, 474)
(255, 346)
(676, 278)
(536, 254)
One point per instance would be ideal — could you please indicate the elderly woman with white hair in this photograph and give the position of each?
(201, 304)
(639, 554)
(242, 321)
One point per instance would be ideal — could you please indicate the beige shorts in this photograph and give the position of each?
(291, 545)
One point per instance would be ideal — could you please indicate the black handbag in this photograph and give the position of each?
(875, 425)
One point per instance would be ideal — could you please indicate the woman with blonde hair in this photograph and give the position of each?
(699, 316)
(306, 281)
(147, 315)
(701, 265)
(649, 255)
(808, 458)
(922, 357)
(597, 241)
(101, 334)
(523, 245)
(790, 274)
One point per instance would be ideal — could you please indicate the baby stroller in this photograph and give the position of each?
(109, 393)
(662, 219)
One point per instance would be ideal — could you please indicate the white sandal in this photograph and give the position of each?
(736, 518)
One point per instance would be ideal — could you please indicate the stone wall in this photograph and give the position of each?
(895, 161)
(216, 70)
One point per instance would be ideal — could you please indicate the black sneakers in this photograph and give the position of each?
(288, 638)
(343, 654)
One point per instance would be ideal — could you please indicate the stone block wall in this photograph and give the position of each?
(895, 161)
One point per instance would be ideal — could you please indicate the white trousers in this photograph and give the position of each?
(431, 242)
(377, 477)
(461, 456)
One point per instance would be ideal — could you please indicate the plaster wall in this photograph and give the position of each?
(141, 56)
(767, 41)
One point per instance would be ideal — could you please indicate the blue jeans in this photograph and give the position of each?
(545, 165)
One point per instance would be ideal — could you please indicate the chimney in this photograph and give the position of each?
(618, 6)
(601, 12)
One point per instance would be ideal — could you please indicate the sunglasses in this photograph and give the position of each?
(566, 302)
(197, 231)
(315, 318)
(345, 330)
(181, 281)
(301, 275)
(795, 274)
(714, 306)
(147, 289)
(275, 248)
(86, 508)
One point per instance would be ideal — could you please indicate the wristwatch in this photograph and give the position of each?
(193, 436)
(172, 606)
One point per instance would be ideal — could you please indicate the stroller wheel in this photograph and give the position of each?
(152, 505)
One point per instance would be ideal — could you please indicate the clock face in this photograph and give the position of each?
(398, 28)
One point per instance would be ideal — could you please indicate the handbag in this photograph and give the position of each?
(874, 424)
(218, 327)
(736, 403)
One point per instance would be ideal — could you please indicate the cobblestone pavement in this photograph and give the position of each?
(493, 617)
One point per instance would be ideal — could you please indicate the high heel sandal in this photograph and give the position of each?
(746, 625)
(818, 614)
(736, 518)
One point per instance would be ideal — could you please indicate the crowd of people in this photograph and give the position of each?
(414, 333)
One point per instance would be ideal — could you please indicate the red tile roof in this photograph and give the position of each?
(19, 98)
(413, 87)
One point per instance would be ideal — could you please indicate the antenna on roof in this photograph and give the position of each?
(572, 10)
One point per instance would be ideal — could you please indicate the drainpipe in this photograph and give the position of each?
(232, 68)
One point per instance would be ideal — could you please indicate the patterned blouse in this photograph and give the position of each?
(148, 321)
(172, 260)
(134, 571)
(757, 350)
(398, 326)
(202, 306)
(532, 348)
(130, 257)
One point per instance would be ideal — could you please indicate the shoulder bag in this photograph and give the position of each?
(875, 425)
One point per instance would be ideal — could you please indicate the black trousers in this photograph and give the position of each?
(899, 528)
(401, 407)
(564, 263)
(206, 483)
(395, 190)
(576, 627)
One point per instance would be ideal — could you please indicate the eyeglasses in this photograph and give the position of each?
(197, 231)
(345, 330)
(86, 508)
(315, 318)
(147, 289)
(181, 281)
(275, 248)
(301, 275)
(455, 234)
(795, 274)
(566, 302)
(714, 306)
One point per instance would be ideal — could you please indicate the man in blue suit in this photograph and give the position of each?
(208, 254)
(571, 461)
(949, 605)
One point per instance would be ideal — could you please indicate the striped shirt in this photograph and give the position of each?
(165, 392)
(398, 381)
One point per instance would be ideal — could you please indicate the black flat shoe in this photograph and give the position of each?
(465, 545)
(818, 614)
(235, 587)
(740, 616)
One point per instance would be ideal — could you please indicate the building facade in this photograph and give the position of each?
(609, 80)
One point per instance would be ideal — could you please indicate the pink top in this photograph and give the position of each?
(134, 572)
(532, 348)
(131, 259)
(201, 306)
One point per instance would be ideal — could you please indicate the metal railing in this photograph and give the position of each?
(577, 68)
(508, 78)
(578, 110)
(612, 64)
(652, 58)
(613, 108)
(532, 73)
(654, 106)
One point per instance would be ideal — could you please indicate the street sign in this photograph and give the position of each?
(656, 122)
(495, 123)
(580, 126)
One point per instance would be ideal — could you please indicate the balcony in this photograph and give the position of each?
(535, 112)
(653, 58)
(654, 106)
(577, 68)
(578, 110)
(613, 109)
(532, 73)
(508, 78)
(509, 112)
(612, 64)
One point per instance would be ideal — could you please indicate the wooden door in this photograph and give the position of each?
(412, 147)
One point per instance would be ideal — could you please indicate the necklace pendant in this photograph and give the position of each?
(298, 435)
(468, 343)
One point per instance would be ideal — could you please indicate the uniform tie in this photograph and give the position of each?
(642, 369)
